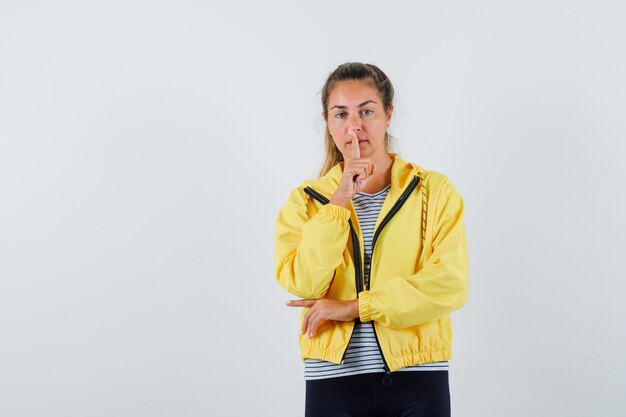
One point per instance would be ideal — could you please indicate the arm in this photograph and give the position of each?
(437, 289)
(308, 250)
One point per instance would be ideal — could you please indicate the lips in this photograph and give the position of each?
(360, 141)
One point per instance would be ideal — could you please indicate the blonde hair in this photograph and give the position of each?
(352, 71)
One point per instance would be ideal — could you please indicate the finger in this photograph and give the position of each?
(314, 321)
(373, 169)
(362, 167)
(362, 182)
(301, 303)
(363, 172)
(356, 152)
(359, 169)
(305, 320)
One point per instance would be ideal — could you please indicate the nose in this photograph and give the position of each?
(354, 124)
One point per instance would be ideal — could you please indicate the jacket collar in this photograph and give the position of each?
(402, 172)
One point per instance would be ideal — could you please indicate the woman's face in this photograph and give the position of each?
(355, 106)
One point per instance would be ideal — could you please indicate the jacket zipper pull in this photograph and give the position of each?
(387, 379)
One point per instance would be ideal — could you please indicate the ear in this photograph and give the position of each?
(389, 114)
(324, 115)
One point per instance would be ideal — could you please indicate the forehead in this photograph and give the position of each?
(352, 93)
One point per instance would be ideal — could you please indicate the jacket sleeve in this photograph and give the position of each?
(437, 289)
(308, 250)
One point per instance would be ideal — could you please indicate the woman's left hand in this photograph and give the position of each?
(325, 309)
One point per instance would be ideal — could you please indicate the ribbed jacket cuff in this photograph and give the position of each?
(336, 211)
(365, 314)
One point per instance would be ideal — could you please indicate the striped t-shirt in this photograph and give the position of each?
(362, 355)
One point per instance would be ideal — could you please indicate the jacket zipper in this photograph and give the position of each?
(357, 257)
(396, 207)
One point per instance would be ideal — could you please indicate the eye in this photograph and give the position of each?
(340, 115)
(367, 112)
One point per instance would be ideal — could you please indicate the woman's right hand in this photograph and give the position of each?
(357, 172)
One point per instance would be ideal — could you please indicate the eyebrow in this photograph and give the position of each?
(360, 105)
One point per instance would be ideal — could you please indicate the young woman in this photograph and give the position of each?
(375, 248)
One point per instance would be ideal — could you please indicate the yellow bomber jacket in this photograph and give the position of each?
(418, 272)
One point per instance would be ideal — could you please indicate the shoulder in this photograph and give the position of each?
(437, 184)
(325, 185)
(300, 199)
(430, 178)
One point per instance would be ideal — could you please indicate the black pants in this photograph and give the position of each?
(410, 394)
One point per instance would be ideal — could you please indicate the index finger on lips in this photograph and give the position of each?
(356, 152)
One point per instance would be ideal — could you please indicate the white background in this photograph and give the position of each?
(147, 146)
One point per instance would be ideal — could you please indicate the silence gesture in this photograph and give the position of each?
(357, 172)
